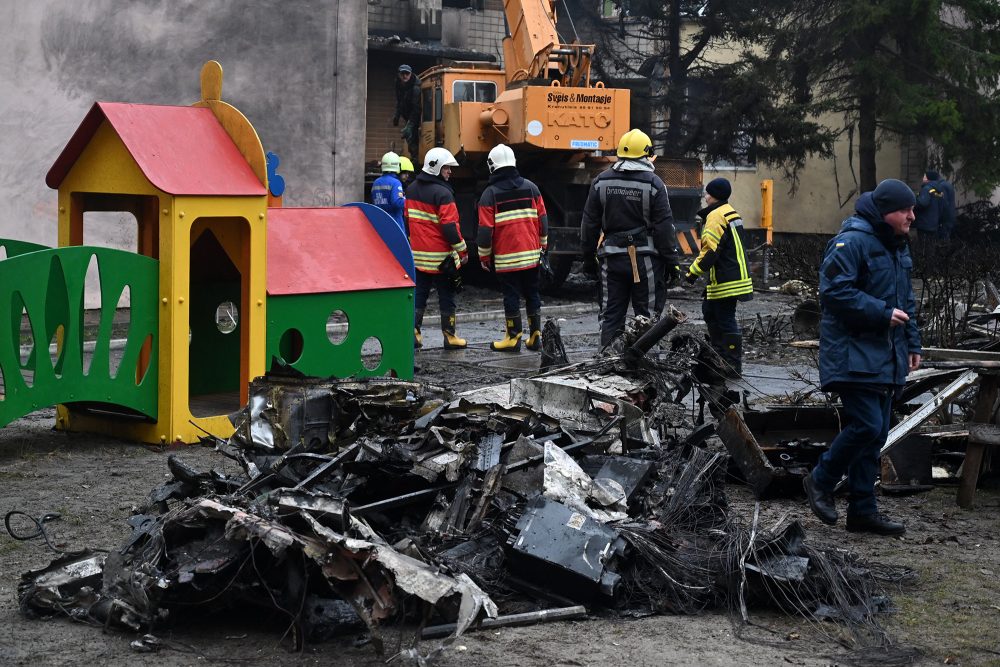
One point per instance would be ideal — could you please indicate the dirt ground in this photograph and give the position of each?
(951, 613)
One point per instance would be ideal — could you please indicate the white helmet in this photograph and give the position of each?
(500, 156)
(390, 162)
(437, 158)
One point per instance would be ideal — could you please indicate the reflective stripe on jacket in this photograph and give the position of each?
(432, 222)
(513, 224)
(629, 208)
(722, 254)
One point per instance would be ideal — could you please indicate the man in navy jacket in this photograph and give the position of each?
(869, 341)
(935, 208)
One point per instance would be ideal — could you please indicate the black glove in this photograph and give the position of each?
(590, 264)
(690, 279)
(545, 267)
(672, 274)
(395, 121)
(451, 273)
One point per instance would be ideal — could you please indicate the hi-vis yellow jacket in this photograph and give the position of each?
(722, 255)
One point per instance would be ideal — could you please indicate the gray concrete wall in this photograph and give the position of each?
(295, 68)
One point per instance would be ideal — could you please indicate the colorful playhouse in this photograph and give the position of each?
(223, 279)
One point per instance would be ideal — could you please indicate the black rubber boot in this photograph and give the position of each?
(451, 341)
(511, 342)
(418, 320)
(534, 342)
(732, 354)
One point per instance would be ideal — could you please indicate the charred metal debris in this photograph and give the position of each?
(587, 489)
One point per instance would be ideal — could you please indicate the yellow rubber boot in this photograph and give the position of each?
(418, 319)
(511, 342)
(451, 341)
(534, 342)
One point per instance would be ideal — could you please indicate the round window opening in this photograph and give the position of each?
(337, 326)
(227, 317)
(371, 353)
(290, 345)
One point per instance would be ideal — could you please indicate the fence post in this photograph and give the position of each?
(767, 221)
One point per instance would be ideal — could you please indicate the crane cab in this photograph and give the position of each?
(472, 109)
(452, 101)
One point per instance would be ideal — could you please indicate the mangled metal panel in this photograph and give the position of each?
(549, 532)
(742, 446)
(68, 582)
(630, 474)
(584, 402)
(527, 481)
(924, 412)
(907, 468)
(776, 447)
(565, 482)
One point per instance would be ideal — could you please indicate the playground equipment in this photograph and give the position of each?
(223, 279)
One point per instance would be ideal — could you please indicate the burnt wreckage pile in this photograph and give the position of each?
(362, 503)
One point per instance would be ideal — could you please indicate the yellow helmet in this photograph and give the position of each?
(405, 164)
(635, 144)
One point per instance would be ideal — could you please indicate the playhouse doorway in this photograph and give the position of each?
(218, 351)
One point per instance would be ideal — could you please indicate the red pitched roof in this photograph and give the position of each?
(181, 150)
(317, 250)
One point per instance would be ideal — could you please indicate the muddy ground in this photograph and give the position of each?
(951, 613)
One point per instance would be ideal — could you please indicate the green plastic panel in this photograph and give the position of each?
(48, 286)
(13, 247)
(300, 322)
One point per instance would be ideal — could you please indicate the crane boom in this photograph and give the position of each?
(532, 50)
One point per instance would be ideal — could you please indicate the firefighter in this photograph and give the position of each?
(387, 190)
(723, 258)
(438, 247)
(405, 170)
(628, 223)
(513, 230)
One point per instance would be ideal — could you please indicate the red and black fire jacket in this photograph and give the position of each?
(432, 223)
(513, 225)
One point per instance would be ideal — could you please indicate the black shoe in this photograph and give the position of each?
(874, 523)
(820, 503)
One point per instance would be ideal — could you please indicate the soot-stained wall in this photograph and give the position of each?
(295, 68)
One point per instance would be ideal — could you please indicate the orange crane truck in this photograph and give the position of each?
(545, 107)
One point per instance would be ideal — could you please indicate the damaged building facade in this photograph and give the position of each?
(421, 33)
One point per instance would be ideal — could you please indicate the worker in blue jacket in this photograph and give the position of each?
(387, 190)
(935, 209)
(869, 341)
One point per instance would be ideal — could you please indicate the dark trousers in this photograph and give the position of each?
(720, 318)
(855, 450)
(517, 285)
(617, 290)
(411, 134)
(446, 293)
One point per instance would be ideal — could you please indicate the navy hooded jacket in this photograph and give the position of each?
(865, 275)
(935, 209)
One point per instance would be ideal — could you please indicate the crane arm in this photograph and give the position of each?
(532, 49)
